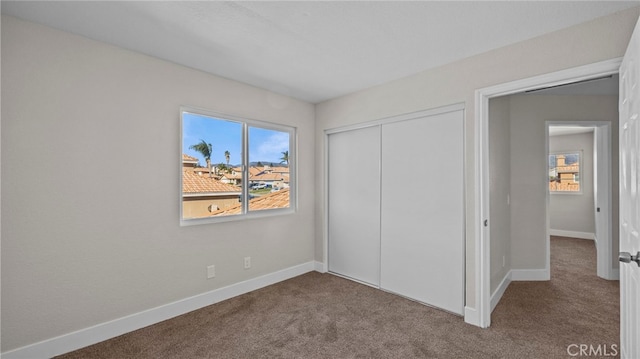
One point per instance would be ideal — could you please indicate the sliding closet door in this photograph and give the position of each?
(422, 227)
(354, 204)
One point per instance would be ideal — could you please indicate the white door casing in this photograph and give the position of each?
(629, 198)
(602, 201)
(479, 313)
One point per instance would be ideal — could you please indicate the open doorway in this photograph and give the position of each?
(524, 200)
(580, 193)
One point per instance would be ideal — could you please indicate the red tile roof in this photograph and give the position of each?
(254, 171)
(268, 177)
(193, 183)
(187, 158)
(279, 199)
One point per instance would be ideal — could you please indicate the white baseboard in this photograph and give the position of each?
(530, 275)
(572, 234)
(615, 274)
(319, 267)
(88, 336)
(497, 294)
(471, 316)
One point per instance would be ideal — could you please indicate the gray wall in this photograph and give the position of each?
(529, 166)
(500, 189)
(90, 142)
(90, 185)
(602, 39)
(574, 212)
(517, 158)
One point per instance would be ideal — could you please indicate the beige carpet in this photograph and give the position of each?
(324, 316)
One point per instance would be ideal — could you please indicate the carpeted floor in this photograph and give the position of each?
(324, 316)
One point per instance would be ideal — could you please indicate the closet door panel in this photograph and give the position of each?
(354, 204)
(422, 228)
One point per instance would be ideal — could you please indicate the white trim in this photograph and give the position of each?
(499, 292)
(211, 194)
(397, 118)
(614, 274)
(572, 234)
(530, 275)
(245, 123)
(97, 333)
(481, 125)
(319, 267)
(325, 204)
(471, 316)
(482, 210)
(603, 154)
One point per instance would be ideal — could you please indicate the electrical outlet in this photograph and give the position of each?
(504, 261)
(247, 262)
(211, 271)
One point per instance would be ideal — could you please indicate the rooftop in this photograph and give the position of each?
(194, 183)
(279, 199)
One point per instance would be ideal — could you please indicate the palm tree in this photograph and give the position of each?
(227, 155)
(285, 157)
(205, 150)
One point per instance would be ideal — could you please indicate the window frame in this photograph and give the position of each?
(580, 171)
(246, 124)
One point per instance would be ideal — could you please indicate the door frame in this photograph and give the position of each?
(603, 140)
(482, 316)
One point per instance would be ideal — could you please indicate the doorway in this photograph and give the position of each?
(538, 257)
(580, 197)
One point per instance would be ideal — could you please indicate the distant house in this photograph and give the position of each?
(273, 180)
(189, 161)
(201, 194)
(278, 199)
(277, 169)
(566, 176)
(234, 178)
(276, 177)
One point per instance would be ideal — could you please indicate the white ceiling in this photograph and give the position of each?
(312, 50)
(569, 130)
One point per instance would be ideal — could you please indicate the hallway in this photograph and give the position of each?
(576, 307)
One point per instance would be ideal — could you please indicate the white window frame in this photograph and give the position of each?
(580, 171)
(246, 124)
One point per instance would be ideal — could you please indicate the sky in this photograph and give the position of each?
(570, 158)
(264, 145)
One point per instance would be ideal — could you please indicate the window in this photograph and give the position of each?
(564, 172)
(233, 168)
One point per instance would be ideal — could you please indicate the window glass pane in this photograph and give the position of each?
(211, 166)
(268, 169)
(564, 172)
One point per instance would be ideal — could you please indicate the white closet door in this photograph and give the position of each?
(354, 204)
(422, 231)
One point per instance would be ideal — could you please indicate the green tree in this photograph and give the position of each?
(285, 157)
(227, 156)
(223, 168)
(205, 149)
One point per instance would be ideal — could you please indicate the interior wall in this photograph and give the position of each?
(90, 185)
(598, 40)
(500, 189)
(529, 172)
(574, 212)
